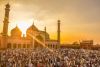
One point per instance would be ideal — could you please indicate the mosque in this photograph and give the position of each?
(34, 37)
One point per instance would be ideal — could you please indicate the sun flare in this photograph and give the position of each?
(23, 26)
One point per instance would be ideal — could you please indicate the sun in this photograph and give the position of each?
(23, 26)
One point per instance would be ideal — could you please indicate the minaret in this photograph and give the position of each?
(45, 35)
(5, 28)
(58, 32)
(6, 20)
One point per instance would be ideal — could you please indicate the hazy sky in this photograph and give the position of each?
(80, 19)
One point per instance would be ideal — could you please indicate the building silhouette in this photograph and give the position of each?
(86, 44)
(34, 37)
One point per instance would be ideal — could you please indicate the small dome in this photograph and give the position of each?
(16, 32)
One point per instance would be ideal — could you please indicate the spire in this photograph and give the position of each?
(45, 28)
(45, 34)
(5, 25)
(58, 37)
(33, 23)
(16, 25)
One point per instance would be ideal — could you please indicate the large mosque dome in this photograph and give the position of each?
(43, 34)
(16, 32)
(33, 30)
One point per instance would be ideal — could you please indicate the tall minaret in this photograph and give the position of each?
(58, 34)
(45, 35)
(5, 28)
(6, 20)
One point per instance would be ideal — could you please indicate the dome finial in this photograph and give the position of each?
(16, 25)
(33, 23)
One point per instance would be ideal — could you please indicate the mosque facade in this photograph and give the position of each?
(34, 37)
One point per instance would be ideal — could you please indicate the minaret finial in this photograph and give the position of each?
(8, 5)
(58, 21)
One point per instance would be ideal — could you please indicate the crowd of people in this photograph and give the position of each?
(44, 57)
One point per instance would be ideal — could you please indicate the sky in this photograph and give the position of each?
(80, 19)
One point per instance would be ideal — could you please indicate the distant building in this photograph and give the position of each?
(86, 44)
(34, 37)
(74, 45)
(96, 47)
